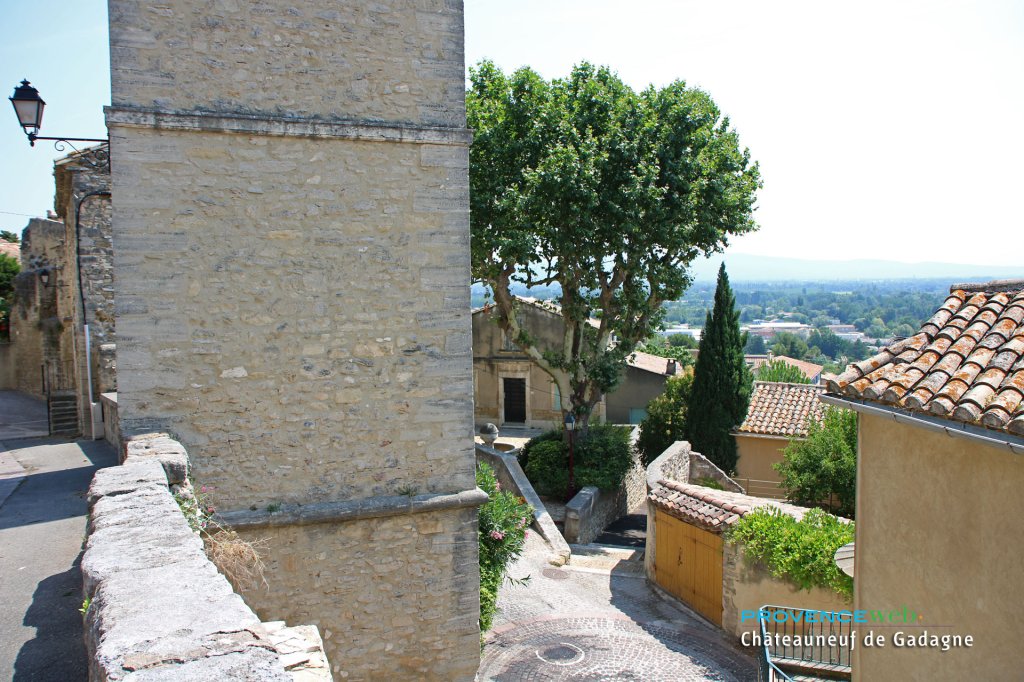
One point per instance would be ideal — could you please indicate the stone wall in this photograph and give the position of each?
(7, 371)
(591, 510)
(154, 601)
(292, 296)
(680, 463)
(83, 194)
(42, 316)
(512, 478)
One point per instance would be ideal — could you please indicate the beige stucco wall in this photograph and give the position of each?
(636, 388)
(940, 522)
(756, 456)
(749, 585)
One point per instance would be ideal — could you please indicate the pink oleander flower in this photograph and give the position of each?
(202, 489)
(526, 534)
(497, 535)
(210, 510)
(497, 486)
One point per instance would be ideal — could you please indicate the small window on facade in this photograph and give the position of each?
(556, 398)
(506, 342)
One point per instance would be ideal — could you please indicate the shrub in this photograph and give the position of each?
(802, 552)
(546, 437)
(665, 422)
(601, 458)
(502, 534)
(822, 470)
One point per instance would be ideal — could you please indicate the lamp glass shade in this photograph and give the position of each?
(44, 277)
(28, 106)
(570, 421)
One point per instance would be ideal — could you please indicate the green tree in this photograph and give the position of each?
(665, 422)
(606, 192)
(790, 345)
(781, 371)
(682, 341)
(721, 382)
(9, 269)
(656, 346)
(821, 471)
(755, 345)
(8, 236)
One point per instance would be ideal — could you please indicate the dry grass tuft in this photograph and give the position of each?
(239, 560)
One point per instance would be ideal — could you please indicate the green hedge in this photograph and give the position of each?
(802, 552)
(601, 458)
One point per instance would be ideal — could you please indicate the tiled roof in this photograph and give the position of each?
(711, 509)
(778, 409)
(966, 363)
(810, 370)
(649, 363)
(10, 249)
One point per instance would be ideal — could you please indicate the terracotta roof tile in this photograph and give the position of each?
(966, 363)
(11, 250)
(778, 409)
(711, 509)
(649, 363)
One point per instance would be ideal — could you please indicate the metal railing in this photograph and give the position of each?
(793, 645)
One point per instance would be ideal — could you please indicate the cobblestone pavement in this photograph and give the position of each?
(583, 623)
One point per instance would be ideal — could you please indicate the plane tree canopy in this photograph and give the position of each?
(606, 192)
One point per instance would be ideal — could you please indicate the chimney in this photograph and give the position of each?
(671, 369)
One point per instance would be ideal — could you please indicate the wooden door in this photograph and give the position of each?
(688, 564)
(515, 400)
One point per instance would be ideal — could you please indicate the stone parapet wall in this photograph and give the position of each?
(681, 464)
(157, 608)
(512, 478)
(591, 510)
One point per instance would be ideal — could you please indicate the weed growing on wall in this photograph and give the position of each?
(802, 552)
(239, 560)
(504, 520)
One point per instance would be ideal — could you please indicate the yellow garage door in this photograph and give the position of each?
(688, 564)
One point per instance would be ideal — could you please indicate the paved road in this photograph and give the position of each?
(42, 525)
(593, 620)
(21, 416)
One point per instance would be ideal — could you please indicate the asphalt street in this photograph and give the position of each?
(42, 526)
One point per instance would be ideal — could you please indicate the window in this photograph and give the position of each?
(556, 398)
(506, 342)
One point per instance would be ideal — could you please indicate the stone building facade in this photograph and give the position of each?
(73, 252)
(292, 275)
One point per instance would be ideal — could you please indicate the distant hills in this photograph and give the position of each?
(746, 267)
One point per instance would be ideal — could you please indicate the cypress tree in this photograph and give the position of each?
(721, 382)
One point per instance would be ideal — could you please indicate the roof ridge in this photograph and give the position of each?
(992, 286)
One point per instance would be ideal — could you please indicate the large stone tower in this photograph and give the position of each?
(291, 237)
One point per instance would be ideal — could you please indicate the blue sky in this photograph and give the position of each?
(884, 130)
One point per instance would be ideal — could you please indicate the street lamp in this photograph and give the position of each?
(28, 106)
(570, 429)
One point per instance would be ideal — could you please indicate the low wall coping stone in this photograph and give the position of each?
(157, 608)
